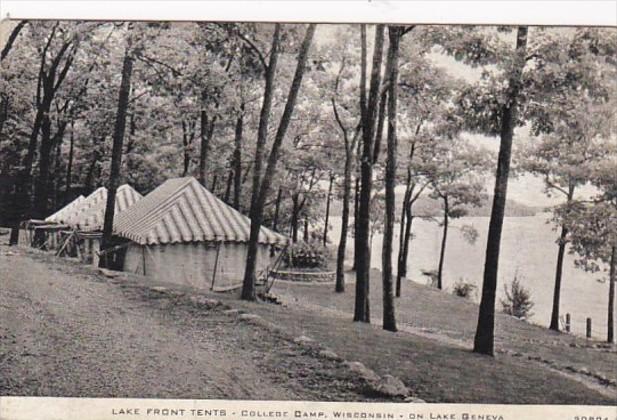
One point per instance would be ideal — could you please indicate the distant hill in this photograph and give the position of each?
(427, 207)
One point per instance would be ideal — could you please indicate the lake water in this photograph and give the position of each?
(528, 248)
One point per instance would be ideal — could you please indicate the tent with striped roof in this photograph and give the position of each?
(58, 216)
(184, 234)
(89, 214)
(85, 220)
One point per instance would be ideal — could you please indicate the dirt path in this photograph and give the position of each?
(67, 332)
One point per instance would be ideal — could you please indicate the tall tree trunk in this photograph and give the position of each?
(261, 187)
(401, 269)
(294, 217)
(342, 246)
(203, 149)
(230, 180)
(306, 230)
(215, 181)
(41, 190)
(23, 187)
(554, 325)
(389, 319)
(205, 133)
(187, 156)
(404, 257)
(558, 275)
(47, 85)
(444, 239)
(356, 205)
(484, 337)
(277, 207)
(44, 183)
(116, 154)
(237, 165)
(327, 221)
(369, 114)
(248, 283)
(69, 165)
(612, 278)
(381, 118)
(54, 180)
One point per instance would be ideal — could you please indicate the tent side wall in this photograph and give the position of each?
(203, 265)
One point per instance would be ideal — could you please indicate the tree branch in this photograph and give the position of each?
(12, 37)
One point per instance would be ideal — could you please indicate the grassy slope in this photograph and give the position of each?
(435, 369)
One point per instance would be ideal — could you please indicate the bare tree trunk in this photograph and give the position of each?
(444, 238)
(261, 186)
(215, 181)
(294, 217)
(554, 325)
(401, 270)
(277, 207)
(369, 115)
(248, 284)
(380, 122)
(342, 246)
(41, 191)
(237, 158)
(187, 156)
(389, 319)
(306, 230)
(205, 133)
(22, 202)
(69, 165)
(484, 337)
(230, 181)
(558, 275)
(404, 257)
(116, 154)
(327, 221)
(203, 149)
(612, 278)
(356, 205)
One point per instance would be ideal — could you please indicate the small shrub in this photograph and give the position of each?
(307, 255)
(464, 289)
(518, 301)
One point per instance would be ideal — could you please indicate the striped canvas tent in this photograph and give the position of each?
(183, 233)
(86, 220)
(59, 216)
(52, 227)
(89, 215)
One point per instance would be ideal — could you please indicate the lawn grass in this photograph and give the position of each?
(442, 314)
(434, 371)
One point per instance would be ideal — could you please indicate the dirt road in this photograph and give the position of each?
(65, 331)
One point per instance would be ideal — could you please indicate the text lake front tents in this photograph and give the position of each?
(84, 220)
(182, 233)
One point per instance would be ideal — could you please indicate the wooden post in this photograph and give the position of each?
(143, 258)
(568, 322)
(588, 335)
(216, 263)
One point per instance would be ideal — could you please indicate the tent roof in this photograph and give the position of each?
(90, 213)
(182, 210)
(59, 216)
